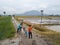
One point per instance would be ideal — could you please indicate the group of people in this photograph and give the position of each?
(27, 32)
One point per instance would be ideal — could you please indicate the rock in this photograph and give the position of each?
(36, 35)
(12, 42)
(33, 42)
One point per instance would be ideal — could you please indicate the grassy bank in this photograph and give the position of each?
(7, 29)
(46, 17)
(38, 27)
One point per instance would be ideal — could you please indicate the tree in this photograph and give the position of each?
(4, 12)
(13, 15)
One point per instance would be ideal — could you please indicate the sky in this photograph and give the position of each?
(21, 6)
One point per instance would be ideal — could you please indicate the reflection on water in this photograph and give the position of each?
(44, 21)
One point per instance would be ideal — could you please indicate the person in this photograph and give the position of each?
(19, 28)
(26, 33)
(30, 31)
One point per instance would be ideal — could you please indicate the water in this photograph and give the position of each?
(46, 21)
(55, 28)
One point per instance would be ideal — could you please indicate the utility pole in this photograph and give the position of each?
(41, 17)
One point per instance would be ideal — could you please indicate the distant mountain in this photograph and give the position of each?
(30, 13)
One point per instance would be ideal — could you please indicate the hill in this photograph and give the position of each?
(30, 13)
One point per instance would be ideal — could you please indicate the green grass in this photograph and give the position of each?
(7, 29)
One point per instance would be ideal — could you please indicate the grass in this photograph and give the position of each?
(53, 36)
(46, 17)
(7, 29)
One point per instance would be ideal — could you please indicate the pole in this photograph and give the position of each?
(41, 16)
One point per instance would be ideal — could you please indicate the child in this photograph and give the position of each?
(19, 28)
(30, 31)
(26, 33)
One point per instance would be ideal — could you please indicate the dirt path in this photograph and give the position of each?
(22, 40)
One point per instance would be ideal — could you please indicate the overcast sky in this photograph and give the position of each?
(21, 6)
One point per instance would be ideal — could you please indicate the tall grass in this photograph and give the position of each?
(7, 29)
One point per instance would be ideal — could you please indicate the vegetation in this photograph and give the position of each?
(7, 29)
(46, 17)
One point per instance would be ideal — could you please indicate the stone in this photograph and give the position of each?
(36, 35)
(12, 42)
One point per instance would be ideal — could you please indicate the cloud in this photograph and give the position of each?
(20, 6)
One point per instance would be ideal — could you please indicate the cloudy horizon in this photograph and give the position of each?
(21, 6)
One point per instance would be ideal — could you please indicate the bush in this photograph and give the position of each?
(7, 29)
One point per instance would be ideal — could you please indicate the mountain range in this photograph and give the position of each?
(30, 13)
